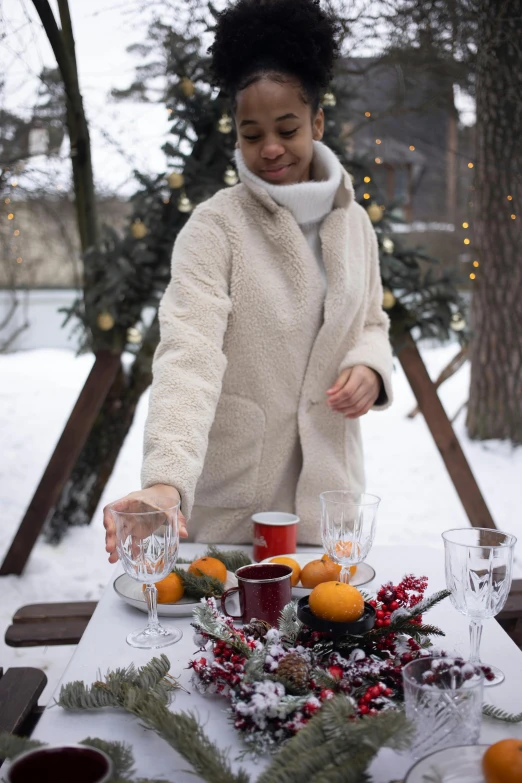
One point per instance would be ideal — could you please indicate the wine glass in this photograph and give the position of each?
(478, 574)
(348, 527)
(147, 542)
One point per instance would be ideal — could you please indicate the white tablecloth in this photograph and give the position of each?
(103, 646)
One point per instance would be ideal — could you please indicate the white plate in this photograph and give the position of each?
(364, 574)
(132, 592)
(461, 764)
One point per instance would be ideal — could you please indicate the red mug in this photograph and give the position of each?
(275, 533)
(264, 590)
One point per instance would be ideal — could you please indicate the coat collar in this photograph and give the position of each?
(343, 197)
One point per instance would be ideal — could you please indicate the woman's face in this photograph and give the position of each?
(275, 130)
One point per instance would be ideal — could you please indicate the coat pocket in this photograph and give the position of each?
(235, 447)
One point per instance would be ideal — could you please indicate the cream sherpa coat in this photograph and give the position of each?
(238, 420)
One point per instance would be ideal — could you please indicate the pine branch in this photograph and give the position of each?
(334, 749)
(199, 587)
(119, 753)
(206, 621)
(11, 746)
(232, 559)
(423, 606)
(152, 678)
(498, 714)
(289, 626)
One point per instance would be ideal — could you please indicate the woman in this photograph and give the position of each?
(273, 339)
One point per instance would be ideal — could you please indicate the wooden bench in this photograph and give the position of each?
(49, 624)
(20, 689)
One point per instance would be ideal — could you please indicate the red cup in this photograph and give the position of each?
(275, 533)
(61, 765)
(264, 590)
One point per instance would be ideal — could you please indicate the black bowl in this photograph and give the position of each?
(362, 625)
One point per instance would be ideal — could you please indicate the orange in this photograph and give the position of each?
(328, 559)
(170, 589)
(316, 572)
(294, 565)
(209, 566)
(502, 762)
(336, 601)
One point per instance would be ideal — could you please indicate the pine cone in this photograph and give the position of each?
(257, 628)
(294, 670)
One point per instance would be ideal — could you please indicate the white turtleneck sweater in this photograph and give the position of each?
(309, 202)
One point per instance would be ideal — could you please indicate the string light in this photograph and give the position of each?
(10, 216)
(16, 232)
(472, 276)
(367, 179)
(366, 195)
(378, 160)
(378, 141)
(470, 165)
(513, 217)
(14, 183)
(19, 260)
(509, 198)
(367, 114)
(465, 225)
(8, 200)
(166, 200)
(169, 111)
(412, 147)
(475, 264)
(467, 241)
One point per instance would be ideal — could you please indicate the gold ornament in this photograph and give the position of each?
(458, 322)
(388, 300)
(230, 177)
(187, 87)
(225, 124)
(139, 229)
(105, 321)
(175, 180)
(387, 245)
(329, 99)
(374, 212)
(185, 204)
(133, 335)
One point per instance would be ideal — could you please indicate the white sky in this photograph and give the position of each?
(103, 30)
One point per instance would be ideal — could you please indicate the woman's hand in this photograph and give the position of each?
(355, 391)
(140, 501)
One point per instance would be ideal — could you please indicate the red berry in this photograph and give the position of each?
(394, 605)
(388, 692)
(373, 711)
(326, 694)
(364, 709)
(336, 672)
(379, 613)
(379, 623)
(375, 691)
(367, 696)
(386, 622)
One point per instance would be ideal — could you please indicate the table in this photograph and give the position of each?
(103, 646)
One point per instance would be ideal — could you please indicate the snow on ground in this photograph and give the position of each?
(37, 392)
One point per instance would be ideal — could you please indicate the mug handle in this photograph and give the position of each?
(224, 597)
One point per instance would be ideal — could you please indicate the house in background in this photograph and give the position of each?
(403, 122)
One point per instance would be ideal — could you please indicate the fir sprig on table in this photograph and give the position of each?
(331, 748)
(198, 587)
(498, 714)
(232, 559)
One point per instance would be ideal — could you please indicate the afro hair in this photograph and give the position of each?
(294, 38)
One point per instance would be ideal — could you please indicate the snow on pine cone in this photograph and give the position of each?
(256, 628)
(294, 670)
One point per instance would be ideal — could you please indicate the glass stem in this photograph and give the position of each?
(475, 635)
(151, 596)
(345, 575)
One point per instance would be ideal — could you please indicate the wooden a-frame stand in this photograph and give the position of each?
(99, 383)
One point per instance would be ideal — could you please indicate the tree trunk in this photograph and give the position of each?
(82, 493)
(495, 409)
